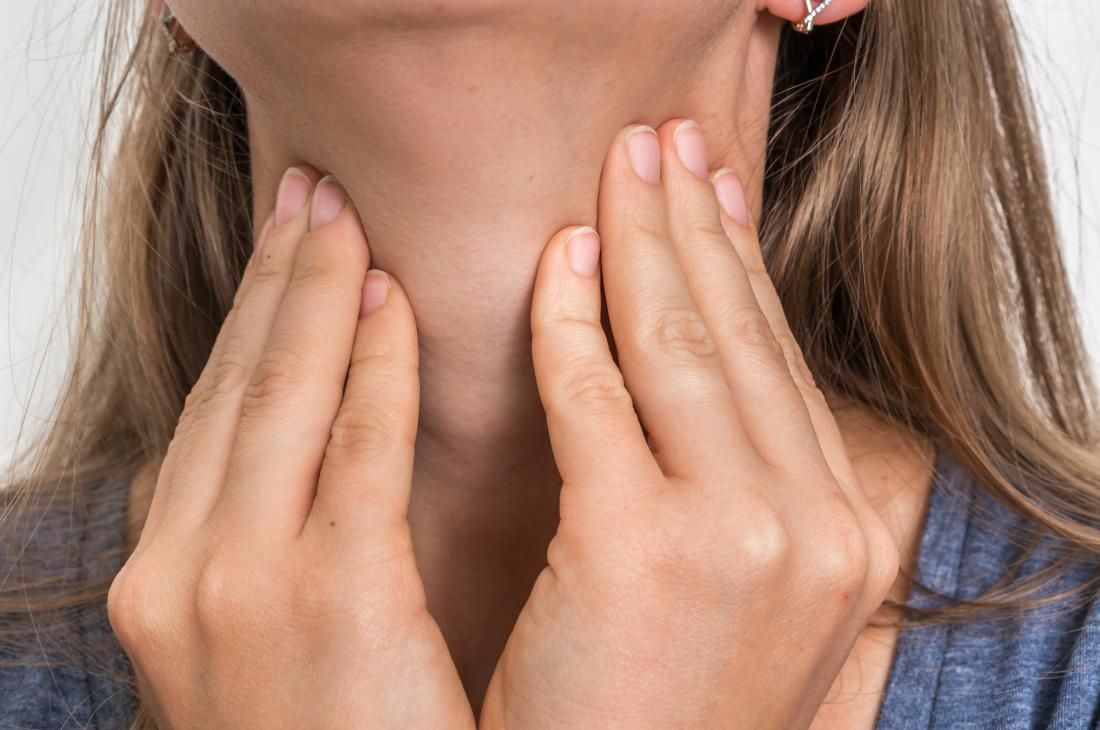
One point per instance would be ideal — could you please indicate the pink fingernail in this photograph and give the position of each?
(375, 291)
(731, 195)
(644, 152)
(583, 251)
(292, 197)
(691, 148)
(328, 200)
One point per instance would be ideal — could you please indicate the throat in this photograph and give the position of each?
(480, 529)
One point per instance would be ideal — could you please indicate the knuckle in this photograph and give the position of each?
(221, 601)
(594, 383)
(223, 380)
(276, 377)
(360, 431)
(682, 333)
(748, 327)
(228, 378)
(763, 544)
(842, 558)
(133, 611)
(572, 324)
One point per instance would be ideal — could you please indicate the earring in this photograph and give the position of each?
(179, 41)
(807, 24)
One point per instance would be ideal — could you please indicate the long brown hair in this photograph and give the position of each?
(907, 225)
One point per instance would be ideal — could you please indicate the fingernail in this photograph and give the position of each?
(257, 251)
(691, 148)
(292, 197)
(583, 251)
(328, 200)
(375, 290)
(644, 152)
(731, 195)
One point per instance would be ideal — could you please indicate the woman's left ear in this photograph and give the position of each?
(795, 10)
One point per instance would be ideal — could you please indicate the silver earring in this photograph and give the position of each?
(807, 24)
(179, 40)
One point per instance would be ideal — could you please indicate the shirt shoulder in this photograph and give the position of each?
(63, 668)
(1027, 669)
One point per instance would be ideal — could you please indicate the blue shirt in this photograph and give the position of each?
(1041, 669)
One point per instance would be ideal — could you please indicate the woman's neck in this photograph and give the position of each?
(464, 149)
(464, 153)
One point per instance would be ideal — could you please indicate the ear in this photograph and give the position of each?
(795, 10)
(179, 40)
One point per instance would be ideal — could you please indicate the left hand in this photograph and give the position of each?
(718, 575)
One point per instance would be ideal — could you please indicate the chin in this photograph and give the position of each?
(313, 20)
(342, 16)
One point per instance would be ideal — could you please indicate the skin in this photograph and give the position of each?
(478, 501)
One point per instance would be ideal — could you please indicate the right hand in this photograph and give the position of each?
(274, 583)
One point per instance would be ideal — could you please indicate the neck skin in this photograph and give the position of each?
(461, 173)
(464, 151)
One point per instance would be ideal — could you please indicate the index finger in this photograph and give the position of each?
(594, 431)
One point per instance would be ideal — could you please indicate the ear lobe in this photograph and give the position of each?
(795, 10)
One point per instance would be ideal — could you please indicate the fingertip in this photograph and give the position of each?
(386, 318)
(569, 265)
(385, 298)
(628, 131)
(333, 221)
(294, 192)
(582, 251)
(376, 291)
(329, 200)
(643, 152)
(731, 196)
(666, 130)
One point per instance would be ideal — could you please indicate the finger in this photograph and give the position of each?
(666, 353)
(363, 488)
(297, 384)
(194, 467)
(771, 409)
(594, 431)
(736, 223)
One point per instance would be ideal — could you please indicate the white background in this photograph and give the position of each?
(47, 63)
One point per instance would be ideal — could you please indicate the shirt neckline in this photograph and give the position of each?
(913, 680)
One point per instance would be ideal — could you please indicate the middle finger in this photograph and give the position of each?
(667, 356)
(769, 403)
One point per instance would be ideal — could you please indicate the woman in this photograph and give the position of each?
(743, 377)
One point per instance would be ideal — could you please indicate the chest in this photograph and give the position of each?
(854, 699)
